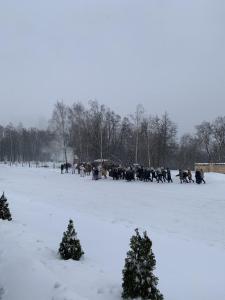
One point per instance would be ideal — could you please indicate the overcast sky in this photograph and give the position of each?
(168, 55)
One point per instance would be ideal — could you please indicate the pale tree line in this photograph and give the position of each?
(97, 132)
(18, 144)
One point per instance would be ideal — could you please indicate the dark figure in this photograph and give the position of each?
(140, 173)
(120, 173)
(153, 175)
(62, 168)
(95, 173)
(115, 174)
(129, 176)
(190, 176)
(159, 175)
(66, 167)
(180, 175)
(198, 176)
(78, 168)
(168, 175)
(185, 176)
(146, 175)
(88, 169)
(164, 175)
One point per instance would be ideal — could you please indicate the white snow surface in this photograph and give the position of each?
(186, 223)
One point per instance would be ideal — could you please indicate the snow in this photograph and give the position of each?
(185, 222)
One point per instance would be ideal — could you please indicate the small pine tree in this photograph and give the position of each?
(138, 278)
(4, 209)
(70, 246)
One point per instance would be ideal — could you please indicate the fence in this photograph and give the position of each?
(211, 167)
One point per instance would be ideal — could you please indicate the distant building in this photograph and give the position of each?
(211, 167)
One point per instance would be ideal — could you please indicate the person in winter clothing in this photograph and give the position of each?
(62, 168)
(202, 175)
(104, 173)
(190, 176)
(140, 173)
(168, 175)
(129, 175)
(159, 175)
(198, 176)
(82, 169)
(95, 173)
(185, 176)
(164, 175)
(153, 174)
(146, 175)
(180, 175)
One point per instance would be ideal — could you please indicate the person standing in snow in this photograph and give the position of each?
(82, 174)
(62, 168)
(198, 176)
(202, 175)
(153, 174)
(180, 175)
(168, 175)
(190, 176)
(164, 174)
(159, 175)
(95, 173)
(66, 167)
(104, 172)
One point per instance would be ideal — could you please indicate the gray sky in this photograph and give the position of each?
(168, 55)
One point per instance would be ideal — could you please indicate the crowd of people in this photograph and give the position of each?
(132, 173)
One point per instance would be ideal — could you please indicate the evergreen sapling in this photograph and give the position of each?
(70, 247)
(138, 278)
(4, 209)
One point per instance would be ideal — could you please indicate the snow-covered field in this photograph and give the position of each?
(186, 223)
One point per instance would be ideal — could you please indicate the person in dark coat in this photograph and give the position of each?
(198, 176)
(146, 175)
(168, 175)
(62, 168)
(153, 174)
(164, 175)
(129, 176)
(185, 176)
(115, 174)
(66, 167)
(95, 173)
(180, 175)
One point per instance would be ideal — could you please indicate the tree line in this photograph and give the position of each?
(18, 144)
(97, 132)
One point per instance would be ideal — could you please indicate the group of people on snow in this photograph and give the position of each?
(186, 176)
(132, 173)
(140, 173)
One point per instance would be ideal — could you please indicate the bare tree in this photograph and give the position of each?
(204, 134)
(59, 123)
(137, 119)
(218, 131)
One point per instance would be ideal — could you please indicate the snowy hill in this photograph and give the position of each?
(186, 223)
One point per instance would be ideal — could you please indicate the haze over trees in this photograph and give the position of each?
(96, 131)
